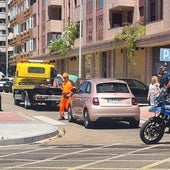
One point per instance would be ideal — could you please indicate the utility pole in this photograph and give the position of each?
(80, 39)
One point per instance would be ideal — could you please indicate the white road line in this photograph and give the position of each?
(49, 120)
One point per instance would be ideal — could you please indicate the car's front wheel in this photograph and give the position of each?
(87, 122)
(70, 116)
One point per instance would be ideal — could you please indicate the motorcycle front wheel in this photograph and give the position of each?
(152, 131)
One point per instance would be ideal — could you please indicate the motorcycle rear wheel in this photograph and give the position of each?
(152, 131)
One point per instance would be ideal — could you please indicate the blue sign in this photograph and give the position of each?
(165, 54)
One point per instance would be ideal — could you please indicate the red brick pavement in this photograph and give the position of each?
(144, 112)
(12, 117)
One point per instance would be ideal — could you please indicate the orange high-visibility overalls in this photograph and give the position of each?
(67, 86)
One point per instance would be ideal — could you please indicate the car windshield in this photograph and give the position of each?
(112, 88)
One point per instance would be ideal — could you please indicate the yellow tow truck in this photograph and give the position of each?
(36, 82)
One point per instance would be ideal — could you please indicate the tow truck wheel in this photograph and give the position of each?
(16, 102)
(26, 102)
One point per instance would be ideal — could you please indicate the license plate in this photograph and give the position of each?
(112, 101)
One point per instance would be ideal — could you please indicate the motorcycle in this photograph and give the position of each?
(152, 131)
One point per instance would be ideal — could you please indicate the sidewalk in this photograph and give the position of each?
(18, 128)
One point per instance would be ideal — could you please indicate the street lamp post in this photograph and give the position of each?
(80, 39)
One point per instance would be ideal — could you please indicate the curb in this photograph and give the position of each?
(28, 139)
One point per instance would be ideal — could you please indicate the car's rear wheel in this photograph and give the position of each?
(70, 116)
(87, 122)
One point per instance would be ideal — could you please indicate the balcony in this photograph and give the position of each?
(111, 33)
(12, 3)
(161, 26)
(122, 4)
(2, 15)
(54, 26)
(54, 2)
(26, 35)
(3, 4)
(2, 37)
(3, 49)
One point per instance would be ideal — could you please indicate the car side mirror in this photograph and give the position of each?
(74, 90)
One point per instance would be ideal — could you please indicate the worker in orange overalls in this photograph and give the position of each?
(66, 87)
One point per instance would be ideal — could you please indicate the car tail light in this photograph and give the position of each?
(95, 101)
(134, 101)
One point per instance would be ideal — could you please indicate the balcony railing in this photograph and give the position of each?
(54, 2)
(54, 26)
(121, 4)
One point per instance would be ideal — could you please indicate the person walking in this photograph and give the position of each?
(154, 90)
(67, 93)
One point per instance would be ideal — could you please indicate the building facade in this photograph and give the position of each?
(3, 36)
(36, 22)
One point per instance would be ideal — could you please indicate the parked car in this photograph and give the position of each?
(4, 81)
(8, 86)
(99, 99)
(138, 88)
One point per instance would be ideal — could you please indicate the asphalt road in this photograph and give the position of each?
(106, 147)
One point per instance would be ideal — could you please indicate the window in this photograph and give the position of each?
(75, 3)
(112, 88)
(154, 9)
(2, 21)
(39, 70)
(99, 4)
(34, 44)
(99, 28)
(33, 21)
(116, 20)
(2, 10)
(89, 29)
(2, 32)
(2, 43)
(85, 87)
(89, 6)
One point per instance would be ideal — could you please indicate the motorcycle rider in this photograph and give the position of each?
(165, 83)
(164, 78)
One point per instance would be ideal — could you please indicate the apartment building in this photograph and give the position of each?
(35, 23)
(3, 33)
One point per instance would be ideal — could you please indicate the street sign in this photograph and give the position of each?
(165, 54)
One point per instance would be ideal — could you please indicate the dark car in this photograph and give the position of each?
(138, 88)
(2, 82)
(8, 86)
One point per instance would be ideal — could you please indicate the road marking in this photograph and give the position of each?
(49, 120)
(152, 165)
(110, 158)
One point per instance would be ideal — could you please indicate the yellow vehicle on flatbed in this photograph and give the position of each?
(34, 84)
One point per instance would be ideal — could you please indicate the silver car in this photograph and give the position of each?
(99, 98)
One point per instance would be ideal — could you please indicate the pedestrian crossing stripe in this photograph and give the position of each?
(49, 120)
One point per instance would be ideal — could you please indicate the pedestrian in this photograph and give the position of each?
(67, 87)
(154, 90)
(164, 78)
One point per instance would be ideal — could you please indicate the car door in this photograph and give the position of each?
(140, 91)
(81, 98)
